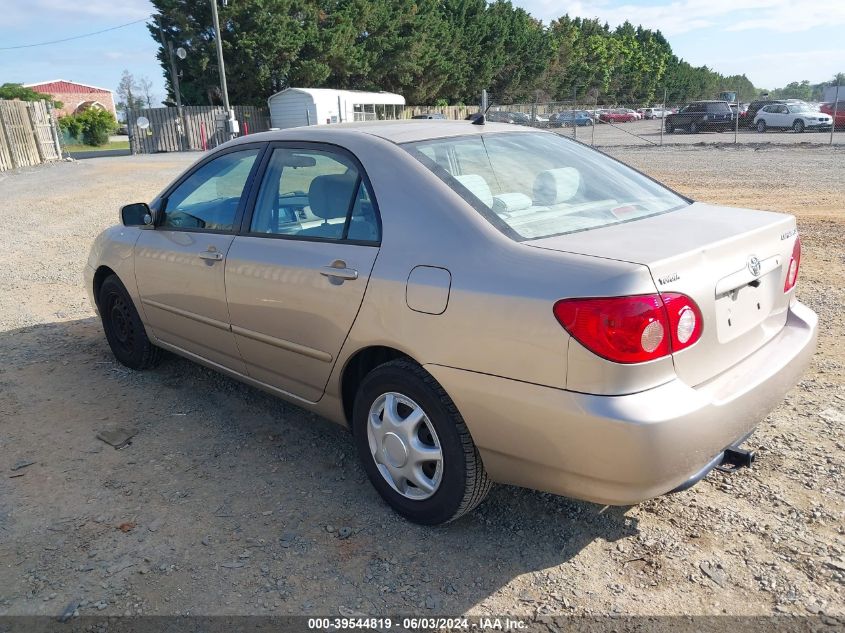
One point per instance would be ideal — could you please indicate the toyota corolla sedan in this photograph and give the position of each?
(477, 303)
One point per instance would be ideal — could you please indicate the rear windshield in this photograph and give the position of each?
(533, 185)
(718, 107)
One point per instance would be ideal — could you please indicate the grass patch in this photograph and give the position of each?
(79, 147)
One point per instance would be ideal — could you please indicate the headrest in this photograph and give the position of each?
(329, 196)
(554, 186)
(478, 187)
(510, 202)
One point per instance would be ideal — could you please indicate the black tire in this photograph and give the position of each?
(694, 128)
(798, 126)
(761, 126)
(670, 127)
(123, 327)
(464, 482)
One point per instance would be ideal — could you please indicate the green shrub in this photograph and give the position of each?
(97, 125)
(72, 125)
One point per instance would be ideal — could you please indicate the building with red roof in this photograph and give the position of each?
(75, 96)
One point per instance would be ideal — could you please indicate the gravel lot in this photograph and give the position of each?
(231, 502)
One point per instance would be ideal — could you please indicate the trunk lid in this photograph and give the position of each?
(706, 252)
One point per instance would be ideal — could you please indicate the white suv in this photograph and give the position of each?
(798, 116)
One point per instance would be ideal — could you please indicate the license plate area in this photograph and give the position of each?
(742, 309)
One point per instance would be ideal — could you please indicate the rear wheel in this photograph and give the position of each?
(694, 128)
(414, 445)
(123, 327)
(670, 127)
(761, 126)
(798, 126)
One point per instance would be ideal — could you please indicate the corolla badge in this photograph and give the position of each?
(754, 265)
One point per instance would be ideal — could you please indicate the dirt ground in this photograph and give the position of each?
(232, 502)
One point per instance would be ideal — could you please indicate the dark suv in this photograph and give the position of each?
(702, 116)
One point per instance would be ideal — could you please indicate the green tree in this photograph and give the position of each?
(18, 91)
(128, 93)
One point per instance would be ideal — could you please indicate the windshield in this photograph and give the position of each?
(800, 108)
(533, 185)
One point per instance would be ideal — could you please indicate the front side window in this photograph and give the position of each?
(208, 199)
(535, 184)
(314, 194)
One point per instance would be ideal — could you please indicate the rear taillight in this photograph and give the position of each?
(794, 263)
(685, 321)
(632, 329)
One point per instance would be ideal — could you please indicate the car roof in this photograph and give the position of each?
(395, 131)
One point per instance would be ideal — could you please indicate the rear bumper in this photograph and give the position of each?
(621, 450)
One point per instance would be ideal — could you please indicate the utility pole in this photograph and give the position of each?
(174, 73)
(231, 123)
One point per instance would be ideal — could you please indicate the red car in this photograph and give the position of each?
(827, 108)
(618, 116)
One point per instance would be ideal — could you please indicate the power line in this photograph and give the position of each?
(75, 37)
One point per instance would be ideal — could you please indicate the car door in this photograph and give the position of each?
(180, 262)
(780, 114)
(296, 276)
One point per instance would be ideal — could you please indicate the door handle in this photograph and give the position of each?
(339, 273)
(211, 255)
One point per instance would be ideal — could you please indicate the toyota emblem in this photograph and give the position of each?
(754, 265)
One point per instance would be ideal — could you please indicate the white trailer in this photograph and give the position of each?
(295, 107)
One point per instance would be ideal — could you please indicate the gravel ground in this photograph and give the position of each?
(231, 502)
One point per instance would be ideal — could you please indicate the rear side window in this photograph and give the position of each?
(314, 194)
(532, 185)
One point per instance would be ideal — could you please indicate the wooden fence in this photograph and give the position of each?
(27, 134)
(200, 127)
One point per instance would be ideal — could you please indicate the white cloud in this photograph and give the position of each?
(682, 16)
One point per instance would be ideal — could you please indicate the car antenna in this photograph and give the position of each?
(479, 120)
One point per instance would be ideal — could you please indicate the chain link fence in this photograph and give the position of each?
(615, 124)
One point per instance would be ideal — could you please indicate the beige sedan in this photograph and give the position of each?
(476, 303)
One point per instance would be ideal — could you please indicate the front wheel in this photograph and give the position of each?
(414, 445)
(761, 126)
(798, 126)
(670, 127)
(123, 327)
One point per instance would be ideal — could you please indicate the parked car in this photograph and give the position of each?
(653, 113)
(476, 303)
(501, 116)
(619, 115)
(430, 115)
(714, 116)
(570, 119)
(523, 118)
(797, 116)
(754, 107)
(827, 108)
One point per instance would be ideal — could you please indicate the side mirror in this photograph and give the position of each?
(136, 214)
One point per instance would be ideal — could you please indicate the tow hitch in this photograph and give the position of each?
(728, 461)
(735, 458)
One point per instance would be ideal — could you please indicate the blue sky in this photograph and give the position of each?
(772, 41)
